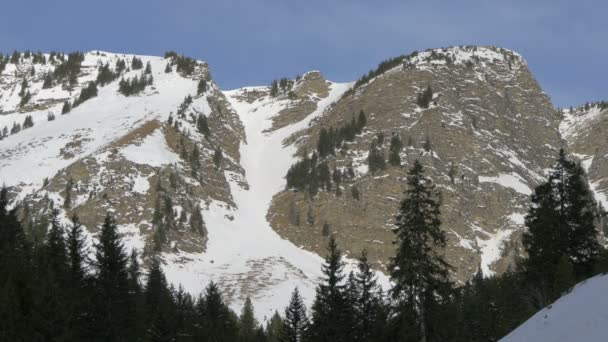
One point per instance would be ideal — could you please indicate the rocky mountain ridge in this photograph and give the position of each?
(198, 172)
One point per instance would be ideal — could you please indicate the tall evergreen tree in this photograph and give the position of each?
(158, 305)
(216, 322)
(248, 325)
(561, 222)
(331, 318)
(16, 296)
(296, 322)
(111, 285)
(394, 157)
(370, 313)
(418, 269)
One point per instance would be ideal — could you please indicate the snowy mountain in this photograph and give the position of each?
(200, 172)
(579, 315)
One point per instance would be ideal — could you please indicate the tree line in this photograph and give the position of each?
(52, 291)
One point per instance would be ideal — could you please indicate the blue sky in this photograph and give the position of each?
(252, 42)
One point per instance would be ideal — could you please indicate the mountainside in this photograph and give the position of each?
(486, 137)
(199, 173)
(580, 315)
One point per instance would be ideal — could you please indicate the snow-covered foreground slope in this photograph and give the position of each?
(245, 255)
(581, 315)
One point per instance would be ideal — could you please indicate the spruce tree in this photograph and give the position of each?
(370, 313)
(248, 325)
(111, 285)
(158, 309)
(331, 320)
(66, 107)
(296, 322)
(16, 294)
(418, 269)
(202, 125)
(215, 320)
(561, 222)
(394, 157)
(362, 121)
(275, 331)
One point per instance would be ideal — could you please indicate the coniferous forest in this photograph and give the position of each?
(62, 289)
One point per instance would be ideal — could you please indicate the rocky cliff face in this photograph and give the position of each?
(486, 138)
(215, 204)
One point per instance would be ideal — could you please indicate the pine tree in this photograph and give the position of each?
(201, 88)
(370, 314)
(112, 296)
(424, 98)
(66, 108)
(561, 223)
(48, 81)
(296, 322)
(394, 157)
(330, 317)
(275, 331)
(202, 125)
(248, 325)
(16, 296)
(215, 320)
(217, 157)
(159, 304)
(148, 70)
(418, 269)
(362, 121)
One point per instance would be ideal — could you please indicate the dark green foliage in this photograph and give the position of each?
(135, 85)
(375, 158)
(168, 68)
(370, 311)
(170, 54)
(16, 128)
(86, 93)
(218, 156)
(281, 87)
(418, 270)
(136, 63)
(424, 99)
(325, 230)
(247, 325)
(70, 68)
(148, 70)
(202, 125)
(330, 139)
(305, 175)
(105, 75)
(28, 122)
(201, 88)
(196, 221)
(112, 298)
(25, 99)
(296, 322)
(15, 57)
(48, 81)
(561, 223)
(362, 120)
(120, 66)
(332, 318)
(66, 107)
(183, 65)
(215, 320)
(354, 192)
(394, 157)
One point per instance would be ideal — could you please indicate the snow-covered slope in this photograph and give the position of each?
(581, 315)
(245, 255)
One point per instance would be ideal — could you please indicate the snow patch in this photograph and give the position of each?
(509, 180)
(152, 150)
